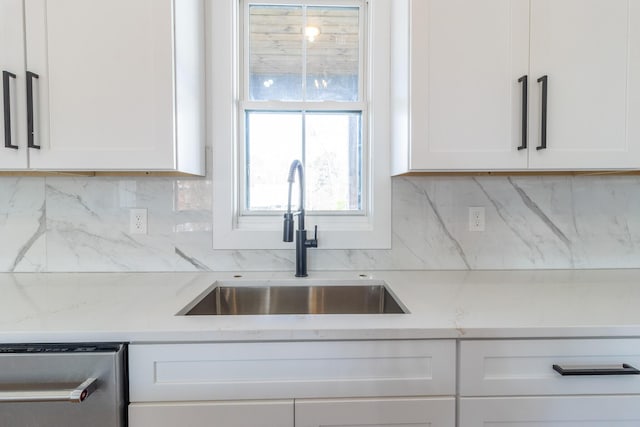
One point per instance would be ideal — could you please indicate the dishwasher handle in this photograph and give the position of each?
(74, 395)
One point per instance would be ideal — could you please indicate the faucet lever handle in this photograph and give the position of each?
(313, 243)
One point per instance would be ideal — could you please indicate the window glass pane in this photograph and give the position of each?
(276, 53)
(303, 53)
(274, 140)
(333, 162)
(333, 53)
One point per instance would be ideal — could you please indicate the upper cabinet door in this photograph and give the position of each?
(459, 105)
(590, 52)
(108, 81)
(13, 124)
(466, 58)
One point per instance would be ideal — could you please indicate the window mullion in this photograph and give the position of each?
(304, 144)
(302, 106)
(304, 53)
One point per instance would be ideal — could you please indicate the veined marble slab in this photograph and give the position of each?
(61, 224)
(142, 307)
(23, 218)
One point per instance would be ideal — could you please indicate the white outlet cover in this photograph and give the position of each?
(138, 221)
(476, 219)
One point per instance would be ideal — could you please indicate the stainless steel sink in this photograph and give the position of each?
(372, 297)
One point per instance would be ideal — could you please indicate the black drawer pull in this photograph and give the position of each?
(543, 118)
(524, 80)
(624, 369)
(6, 76)
(30, 118)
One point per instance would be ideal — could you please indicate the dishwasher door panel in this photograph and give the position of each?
(35, 377)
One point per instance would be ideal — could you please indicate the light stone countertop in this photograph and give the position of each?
(142, 307)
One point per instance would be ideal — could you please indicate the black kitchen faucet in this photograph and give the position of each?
(302, 243)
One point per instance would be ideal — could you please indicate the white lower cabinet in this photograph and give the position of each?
(387, 383)
(303, 384)
(384, 412)
(218, 414)
(549, 383)
(557, 411)
(401, 412)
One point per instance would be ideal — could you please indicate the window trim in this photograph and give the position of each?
(232, 231)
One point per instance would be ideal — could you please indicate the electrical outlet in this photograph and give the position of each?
(476, 219)
(138, 221)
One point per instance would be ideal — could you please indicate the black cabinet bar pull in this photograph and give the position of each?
(525, 113)
(30, 120)
(6, 76)
(623, 369)
(543, 120)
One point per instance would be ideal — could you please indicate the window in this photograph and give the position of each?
(302, 86)
(301, 98)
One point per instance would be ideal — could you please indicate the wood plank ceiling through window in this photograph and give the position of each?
(277, 41)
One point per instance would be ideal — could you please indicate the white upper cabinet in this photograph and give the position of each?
(468, 89)
(13, 125)
(590, 51)
(460, 92)
(116, 85)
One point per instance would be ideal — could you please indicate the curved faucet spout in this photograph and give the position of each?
(296, 165)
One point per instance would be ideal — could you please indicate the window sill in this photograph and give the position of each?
(363, 232)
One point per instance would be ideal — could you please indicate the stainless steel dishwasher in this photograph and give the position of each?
(63, 385)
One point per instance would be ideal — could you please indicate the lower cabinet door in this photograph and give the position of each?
(570, 411)
(388, 412)
(212, 414)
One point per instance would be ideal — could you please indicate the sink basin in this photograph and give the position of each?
(370, 297)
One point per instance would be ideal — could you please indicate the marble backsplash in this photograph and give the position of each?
(69, 224)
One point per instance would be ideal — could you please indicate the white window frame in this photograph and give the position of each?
(370, 229)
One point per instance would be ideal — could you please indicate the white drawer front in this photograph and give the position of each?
(276, 413)
(387, 412)
(556, 411)
(223, 371)
(525, 367)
